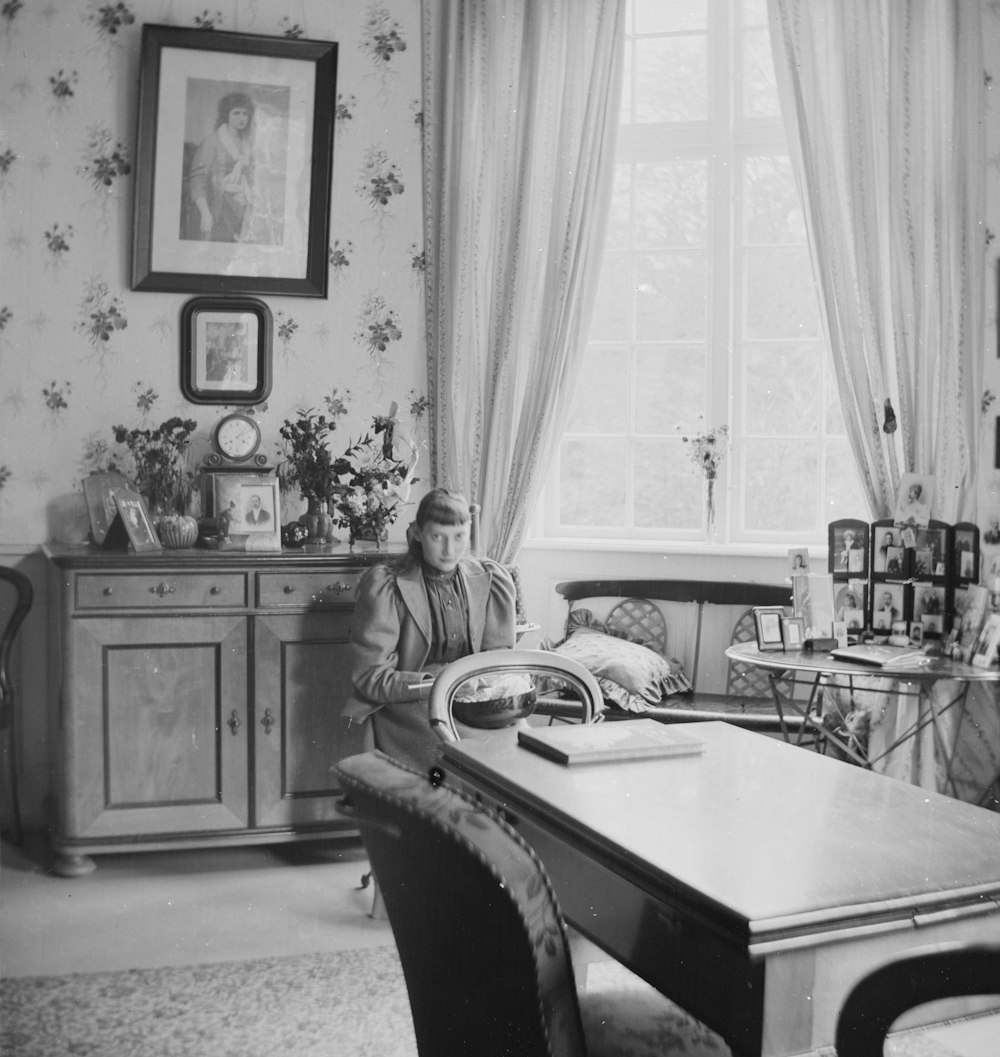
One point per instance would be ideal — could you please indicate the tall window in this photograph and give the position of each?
(707, 311)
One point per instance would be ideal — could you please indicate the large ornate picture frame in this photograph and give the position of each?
(234, 156)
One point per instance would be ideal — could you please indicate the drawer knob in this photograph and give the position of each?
(289, 590)
(162, 589)
(267, 721)
(339, 587)
(215, 590)
(233, 722)
(108, 591)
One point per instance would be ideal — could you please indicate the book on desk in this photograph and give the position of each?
(639, 739)
(878, 655)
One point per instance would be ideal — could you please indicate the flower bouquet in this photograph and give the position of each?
(374, 484)
(161, 473)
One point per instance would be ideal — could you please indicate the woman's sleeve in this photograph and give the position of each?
(501, 609)
(375, 631)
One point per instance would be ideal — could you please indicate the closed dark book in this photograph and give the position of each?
(634, 739)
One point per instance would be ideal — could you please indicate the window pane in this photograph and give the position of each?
(671, 388)
(780, 295)
(611, 305)
(602, 395)
(773, 214)
(760, 90)
(592, 485)
(781, 485)
(782, 389)
(656, 16)
(671, 296)
(671, 204)
(619, 218)
(668, 491)
(671, 79)
(842, 496)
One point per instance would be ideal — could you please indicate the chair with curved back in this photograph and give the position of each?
(23, 596)
(480, 936)
(944, 971)
(502, 662)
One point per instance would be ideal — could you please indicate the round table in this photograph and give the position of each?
(927, 690)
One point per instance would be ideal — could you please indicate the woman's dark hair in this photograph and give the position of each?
(233, 101)
(443, 506)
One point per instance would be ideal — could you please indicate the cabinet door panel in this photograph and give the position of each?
(302, 678)
(157, 740)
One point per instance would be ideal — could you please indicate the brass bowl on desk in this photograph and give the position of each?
(496, 712)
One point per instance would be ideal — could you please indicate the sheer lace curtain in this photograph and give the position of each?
(884, 103)
(520, 113)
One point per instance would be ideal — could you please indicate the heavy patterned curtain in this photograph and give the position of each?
(884, 104)
(520, 117)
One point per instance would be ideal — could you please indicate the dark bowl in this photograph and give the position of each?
(495, 713)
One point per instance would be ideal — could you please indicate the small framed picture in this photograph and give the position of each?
(929, 608)
(134, 516)
(965, 551)
(99, 490)
(848, 547)
(985, 654)
(793, 633)
(913, 503)
(247, 512)
(798, 560)
(916, 633)
(226, 350)
(767, 621)
(887, 605)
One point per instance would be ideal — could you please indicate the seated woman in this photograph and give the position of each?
(415, 615)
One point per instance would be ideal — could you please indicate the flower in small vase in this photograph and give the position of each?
(308, 461)
(707, 450)
(159, 462)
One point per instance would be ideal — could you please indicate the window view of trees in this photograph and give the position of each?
(706, 314)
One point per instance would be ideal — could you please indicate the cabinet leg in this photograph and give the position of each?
(67, 864)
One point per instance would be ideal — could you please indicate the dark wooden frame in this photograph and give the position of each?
(161, 258)
(197, 316)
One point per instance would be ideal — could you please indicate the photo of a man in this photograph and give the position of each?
(256, 516)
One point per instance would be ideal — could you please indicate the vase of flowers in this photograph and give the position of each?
(374, 484)
(309, 465)
(161, 473)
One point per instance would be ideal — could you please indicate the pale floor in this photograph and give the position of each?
(152, 909)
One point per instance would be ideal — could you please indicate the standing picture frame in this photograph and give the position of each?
(988, 642)
(234, 159)
(226, 350)
(767, 623)
(247, 510)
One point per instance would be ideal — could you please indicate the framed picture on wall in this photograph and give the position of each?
(226, 350)
(234, 157)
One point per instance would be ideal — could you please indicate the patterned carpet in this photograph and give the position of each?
(346, 1004)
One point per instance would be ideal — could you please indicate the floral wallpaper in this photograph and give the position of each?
(80, 351)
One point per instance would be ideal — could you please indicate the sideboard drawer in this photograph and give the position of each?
(335, 587)
(161, 590)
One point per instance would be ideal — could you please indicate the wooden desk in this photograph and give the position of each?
(753, 884)
(931, 694)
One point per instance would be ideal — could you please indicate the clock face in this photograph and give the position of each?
(237, 437)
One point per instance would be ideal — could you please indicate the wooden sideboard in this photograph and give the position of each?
(198, 697)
